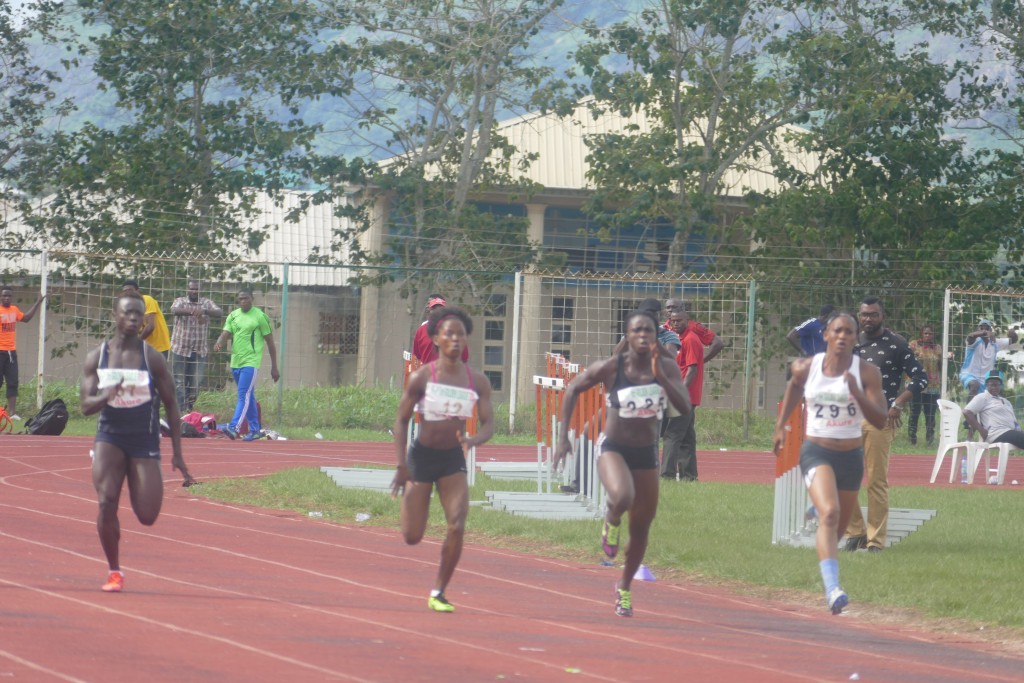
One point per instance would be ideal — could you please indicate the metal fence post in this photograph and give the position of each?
(748, 371)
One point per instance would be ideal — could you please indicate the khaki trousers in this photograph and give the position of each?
(877, 443)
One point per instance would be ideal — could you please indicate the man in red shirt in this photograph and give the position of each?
(706, 336)
(10, 316)
(422, 345)
(679, 455)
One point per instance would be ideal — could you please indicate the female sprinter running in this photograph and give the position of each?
(444, 392)
(638, 382)
(840, 392)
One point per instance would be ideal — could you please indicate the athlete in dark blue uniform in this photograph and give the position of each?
(127, 379)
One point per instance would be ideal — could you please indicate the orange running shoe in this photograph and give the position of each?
(115, 582)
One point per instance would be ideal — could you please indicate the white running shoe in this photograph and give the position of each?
(837, 600)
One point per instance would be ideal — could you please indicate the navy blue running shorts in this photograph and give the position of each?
(636, 457)
(143, 445)
(847, 465)
(430, 464)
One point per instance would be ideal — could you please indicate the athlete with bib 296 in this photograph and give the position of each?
(444, 393)
(640, 384)
(840, 392)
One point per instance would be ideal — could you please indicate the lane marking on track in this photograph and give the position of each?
(189, 631)
(39, 667)
(557, 625)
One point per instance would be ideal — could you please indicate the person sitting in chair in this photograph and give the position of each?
(992, 416)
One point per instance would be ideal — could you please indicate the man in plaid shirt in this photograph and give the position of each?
(190, 343)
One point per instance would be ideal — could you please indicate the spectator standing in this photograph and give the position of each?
(249, 330)
(423, 347)
(980, 359)
(154, 330)
(10, 316)
(190, 342)
(890, 354)
(706, 335)
(807, 337)
(679, 453)
(929, 354)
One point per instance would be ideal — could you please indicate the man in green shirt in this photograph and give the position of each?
(249, 329)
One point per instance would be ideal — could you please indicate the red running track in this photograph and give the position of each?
(225, 593)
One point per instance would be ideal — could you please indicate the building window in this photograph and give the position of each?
(494, 330)
(564, 353)
(495, 305)
(562, 308)
(495, 378)
(494, 355)
(338, 334)
(561, 334)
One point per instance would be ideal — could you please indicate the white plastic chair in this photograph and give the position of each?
(950, 417)
(999, 472)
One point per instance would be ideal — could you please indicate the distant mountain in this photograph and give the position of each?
(555, 46)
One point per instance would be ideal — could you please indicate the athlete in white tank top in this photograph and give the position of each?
(832, 412)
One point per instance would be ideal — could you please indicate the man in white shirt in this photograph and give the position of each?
(980, 359)
(992, 416)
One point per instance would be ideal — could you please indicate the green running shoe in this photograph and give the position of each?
(623, 602)
(439, 603)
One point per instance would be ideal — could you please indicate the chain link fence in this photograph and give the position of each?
(342, 325)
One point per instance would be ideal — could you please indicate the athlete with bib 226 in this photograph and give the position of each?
(444, 392)
(640, 383)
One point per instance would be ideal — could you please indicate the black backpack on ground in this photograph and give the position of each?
(50, 421)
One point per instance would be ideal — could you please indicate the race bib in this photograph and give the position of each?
(445, 402)
(135, 388)
(647, 400)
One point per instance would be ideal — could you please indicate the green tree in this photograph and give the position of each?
(434, 76)
(27, 97)
(891, 196)
(708, 97)
(209, 97)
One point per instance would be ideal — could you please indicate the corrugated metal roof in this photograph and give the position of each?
(561, 148)
(296, 242)
(291, 242)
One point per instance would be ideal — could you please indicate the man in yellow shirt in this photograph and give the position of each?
(154, 329)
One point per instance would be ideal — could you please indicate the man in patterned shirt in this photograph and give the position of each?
(889, 353)
(190, 342)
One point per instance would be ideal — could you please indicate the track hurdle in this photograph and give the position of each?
(548, 394)
(791, 523)
(412, 363)
(587, 423)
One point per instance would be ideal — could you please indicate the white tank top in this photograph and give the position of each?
(832, 413)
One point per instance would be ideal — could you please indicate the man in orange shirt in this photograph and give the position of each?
(10, 316)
